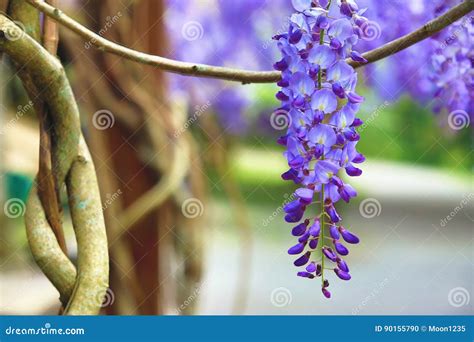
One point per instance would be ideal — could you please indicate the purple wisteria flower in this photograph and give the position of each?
(318, 93)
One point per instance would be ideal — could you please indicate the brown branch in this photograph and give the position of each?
(239, 75)
(48, 191)
(71, 159)
(50, 32)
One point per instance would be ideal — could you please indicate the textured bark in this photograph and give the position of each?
(46, 73)
(135, 155)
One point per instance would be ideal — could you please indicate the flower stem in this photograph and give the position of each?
(322, 234)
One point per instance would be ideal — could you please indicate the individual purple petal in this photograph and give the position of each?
(305, 195)
(347, 192)
(299, 229)
(359, 158)
(354, 97)
(340, 28)
(296, 162)
(333, 214)
(322, 22)
(343, 118)
(338, 90)
(302, 260)
(335, 44)
(322, 134)
(351, 134)
(358, 57)
(318, 273)
(348, 236)
(294, 217)
(292, 206)
(304, 238)
(326, 293)
(357, 122)
(346, 9)
(283, 140)
(301, 5)
(301, 83)
(322, 55)
(282, 96)
(305, 275)
(296, 249)
(329, 253)
(324, 170)
(313, 243)
(331, 192)
(343, 266)
(280, 65)
(340, 248)
(283, 83)
(315, 228)
(291, 174)
(311, 267)
(341, 274)
(324, 100)
(340, 71)
(334, 232)
(295, 36)
(353, 171)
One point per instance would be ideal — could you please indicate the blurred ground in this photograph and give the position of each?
(409, 260)
(407, 263)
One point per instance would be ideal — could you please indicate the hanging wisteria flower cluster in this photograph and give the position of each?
(318, 95)
(452, 63)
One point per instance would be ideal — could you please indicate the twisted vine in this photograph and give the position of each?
(82, 293)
